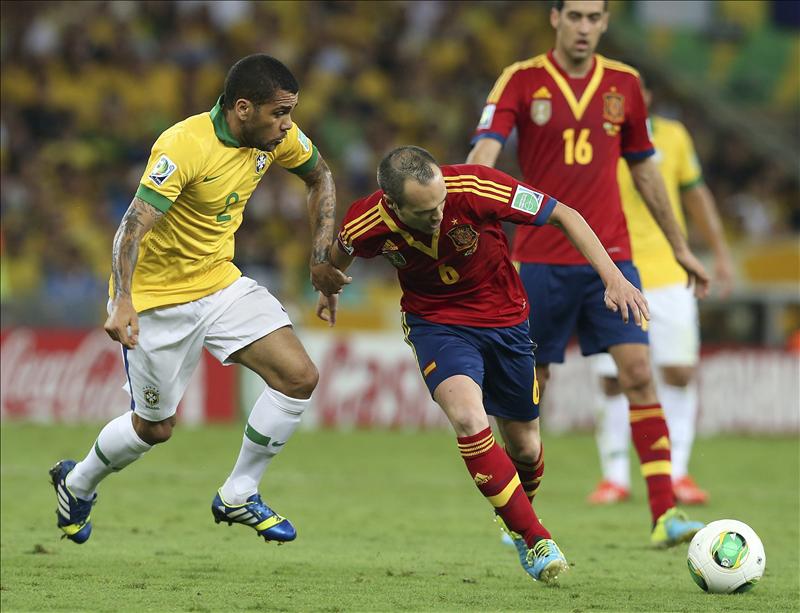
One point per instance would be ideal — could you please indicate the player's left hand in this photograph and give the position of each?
(624, 297)
(723, 275)
(326, 308)
(328, 279)
(696, 271)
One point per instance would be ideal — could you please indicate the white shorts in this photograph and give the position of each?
(673, 327)
(171, 340)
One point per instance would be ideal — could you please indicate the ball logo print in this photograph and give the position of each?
(726, 557)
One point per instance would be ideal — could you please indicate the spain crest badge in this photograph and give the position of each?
(465, 238)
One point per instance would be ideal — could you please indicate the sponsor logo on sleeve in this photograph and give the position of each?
(303, 140)
(162, 170)
(487, 116)
(527, 200)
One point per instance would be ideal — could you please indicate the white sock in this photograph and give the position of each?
(680, 410)
(613, 437)
(117, 446)
(272, 421)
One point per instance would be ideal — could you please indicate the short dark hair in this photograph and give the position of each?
(559, 5)
(403, 163)
(257, 78)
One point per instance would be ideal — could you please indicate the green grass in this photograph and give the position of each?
(386, 522)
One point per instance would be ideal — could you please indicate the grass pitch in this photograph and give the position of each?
(387, 521)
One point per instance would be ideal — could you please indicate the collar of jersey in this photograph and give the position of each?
(221, 128)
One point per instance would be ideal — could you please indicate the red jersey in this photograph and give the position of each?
(572, 133)
(462, 274)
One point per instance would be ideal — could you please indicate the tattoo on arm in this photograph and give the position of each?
(321, 210)
(136, 222)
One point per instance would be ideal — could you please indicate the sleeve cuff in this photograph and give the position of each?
(687, 186)
(308, 165)
(152, 197)
(637, 156)
(495, 135)
(546, 211)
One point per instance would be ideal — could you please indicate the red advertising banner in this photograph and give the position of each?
(54, 375)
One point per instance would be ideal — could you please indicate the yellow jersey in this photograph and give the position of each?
(680, 169)
(201, 178)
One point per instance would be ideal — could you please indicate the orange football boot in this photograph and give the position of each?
(687, 492)
(607, 492)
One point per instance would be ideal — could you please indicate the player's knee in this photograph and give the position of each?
(526, 451)
(679, 376)
(301, 382)
(467, 423)
(153, 432)
(636, 375)
(611, 386)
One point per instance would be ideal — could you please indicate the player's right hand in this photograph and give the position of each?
(328, 279)
(623, 297)
(326, 308)
(123, 323)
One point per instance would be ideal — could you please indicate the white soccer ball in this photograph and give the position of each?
(726, 557)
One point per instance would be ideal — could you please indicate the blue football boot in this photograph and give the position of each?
(509, 537)
(72, 513)
(545, 562)
(257, 515)
(673, 527)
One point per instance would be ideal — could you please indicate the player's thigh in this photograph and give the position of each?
(553, 293)
(245, 312)
(254, 330)
(160, 366)
(461, 400)
(674, 327)
(510, 388)
(600, 328)
(281, 360)
(442, 351)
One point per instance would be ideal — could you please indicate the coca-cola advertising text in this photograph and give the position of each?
(78, 376)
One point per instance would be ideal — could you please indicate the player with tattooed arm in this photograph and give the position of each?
(175, 290)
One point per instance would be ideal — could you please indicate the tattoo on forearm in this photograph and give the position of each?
(138, 219)
(321, 209)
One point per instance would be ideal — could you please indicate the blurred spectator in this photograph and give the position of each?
(86, 87)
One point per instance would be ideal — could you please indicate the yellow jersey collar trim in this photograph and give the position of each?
(431, 251)
(578, 107)
(221, 128)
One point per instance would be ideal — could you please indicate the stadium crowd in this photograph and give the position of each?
(86, 88)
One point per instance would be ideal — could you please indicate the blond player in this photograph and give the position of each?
(175, 290)
(674, 332)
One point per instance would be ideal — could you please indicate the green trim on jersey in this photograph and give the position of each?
(151, 196)
(691, 184)
(308, 165)
(221, 128)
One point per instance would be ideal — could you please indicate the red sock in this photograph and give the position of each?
(497, 479)
(529, 474)
(651, 439)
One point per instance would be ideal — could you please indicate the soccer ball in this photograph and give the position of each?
(726, 557)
